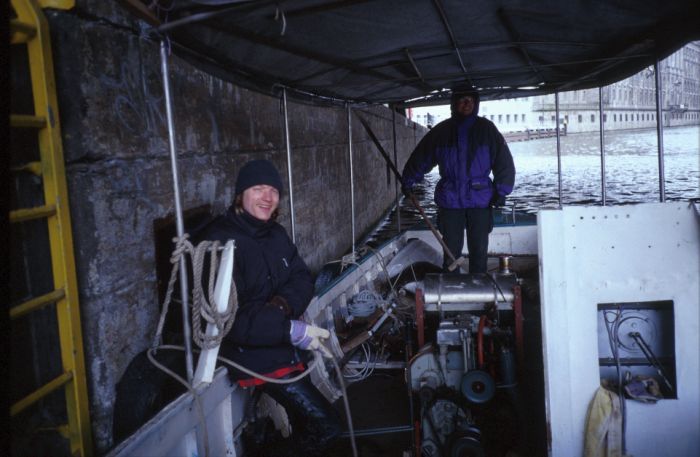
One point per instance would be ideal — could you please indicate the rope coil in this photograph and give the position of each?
(203, 304)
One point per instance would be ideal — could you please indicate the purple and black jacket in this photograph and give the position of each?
(467, 150)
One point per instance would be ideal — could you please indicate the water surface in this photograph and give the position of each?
(631, 173)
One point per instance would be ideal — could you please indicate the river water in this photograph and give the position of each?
(631, 168)
(631, 172)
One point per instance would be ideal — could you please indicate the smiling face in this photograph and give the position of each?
(465, 105)
(261, 201)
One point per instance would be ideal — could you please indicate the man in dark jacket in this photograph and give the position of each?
(467, 148)
(274, 288)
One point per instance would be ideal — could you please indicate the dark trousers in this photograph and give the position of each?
(478, 222)
(315, 424)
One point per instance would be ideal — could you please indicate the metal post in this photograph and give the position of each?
(396, 181)
(556, 108)
(352, 179)
(602, 146)
(164, 48)
(289, 164)
(660, 131)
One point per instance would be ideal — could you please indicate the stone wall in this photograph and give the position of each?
(119, 176)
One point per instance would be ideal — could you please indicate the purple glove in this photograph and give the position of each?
(305, 336)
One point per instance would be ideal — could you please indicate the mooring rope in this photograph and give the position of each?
(206, 309)
(203, 306)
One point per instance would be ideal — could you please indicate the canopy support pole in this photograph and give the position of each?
(660, 131)
(289, 164)
(396, 181)
(448, 29)
(352, 179)
(602, 147)
(556, 107)
(187, 334)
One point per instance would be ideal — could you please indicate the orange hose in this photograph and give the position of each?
(480, 341)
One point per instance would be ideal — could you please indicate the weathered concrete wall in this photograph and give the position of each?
(116, 146)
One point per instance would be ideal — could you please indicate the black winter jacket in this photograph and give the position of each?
(266, 264)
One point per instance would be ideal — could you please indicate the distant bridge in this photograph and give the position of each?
(532, 134)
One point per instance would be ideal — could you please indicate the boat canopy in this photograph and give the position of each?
(411, 52)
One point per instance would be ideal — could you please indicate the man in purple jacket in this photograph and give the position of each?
(467, 149)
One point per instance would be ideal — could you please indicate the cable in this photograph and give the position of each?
(200, 410)
(386, 272)
(364, 372)
(346, 404)
(495, 283)
(612, 328)
(318, 358)
(413, 272)
(249, 371)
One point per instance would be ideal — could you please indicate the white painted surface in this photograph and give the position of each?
(177, 429)
(222, 291)
(507, 239)
(592, 255)
(512, 240)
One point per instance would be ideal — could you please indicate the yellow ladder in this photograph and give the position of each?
(30, 28)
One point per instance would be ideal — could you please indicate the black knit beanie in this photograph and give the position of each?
(258, 172)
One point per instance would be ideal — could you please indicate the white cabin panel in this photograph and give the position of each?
(597, 255)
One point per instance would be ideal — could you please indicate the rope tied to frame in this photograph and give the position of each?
(203, 308)
(203, 305)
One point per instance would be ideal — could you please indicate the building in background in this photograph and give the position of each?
(627, 104)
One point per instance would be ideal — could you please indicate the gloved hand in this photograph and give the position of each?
(281, 304)
(406, 190)
(305, 336)
(497, 200)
